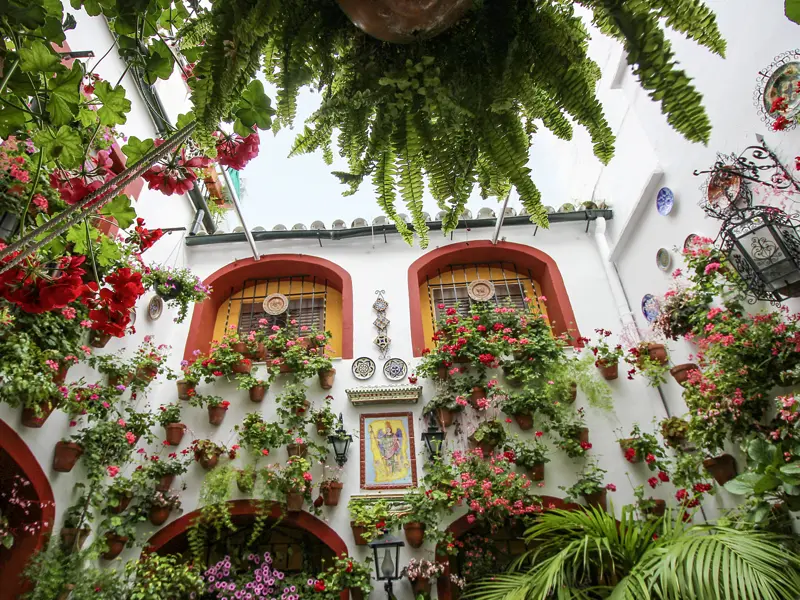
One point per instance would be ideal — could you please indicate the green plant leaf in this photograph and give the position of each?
(253, 109)
(38, 57)
(766, 483)
(743, 484)
(135, 149)
(791, 468)
(115, 104)
(761, 452)
(159, 63)
(792, 8)
(63, 145)
(120, 208)
(62, 105)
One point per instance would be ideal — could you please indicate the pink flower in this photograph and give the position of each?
(122, 423)
(130, 437)
(712, 267)
(307, 476)
(68, 312)
(470, 519)
(265, 452)
(677, 273)
(112, 471)
(275, 328)
(611, 487)
(105, 404)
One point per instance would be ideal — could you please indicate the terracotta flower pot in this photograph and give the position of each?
(446, 417)
(240, 347)
(257, 393)
(597, 499)
(216, 414)
(116, 544)
(442, 372)
(609, 371)
(583, 435)
(146, 374)
(73, 539)
(326, 378)
(243, 367)
(115, 380)
(487, 447)
(322, 429)
(98, 339)
(300, 450)
(722, 468)
(175, 433)
(158, 514)
(35, 419)
(65, 456)
(331, 492)
(61, 375)
(208, 462)
(123, 504)
(403, 22)
(478, 393)
(185, 389)
(358, 533)
(294, 501)
(628, 443)
(301, 410)
(525, 422)
(415, 533)
(657, 353)
(421, 585)
(536, 473)
(681, 372)
(659, 509)
(165, 483)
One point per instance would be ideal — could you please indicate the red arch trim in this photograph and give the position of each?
(301, 520)
(461, 526)
(232, 277)
(542, 267)
(13, 585)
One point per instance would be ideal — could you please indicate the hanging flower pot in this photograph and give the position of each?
(525, 422)
(124, 501)
(627, 444)
(165, 483)
(61, 375)
(536, 473)
(583, 435)
(216, 414)
(326, 378)
(486, 446)
(295, 449)
(169, 291)
(243, 367)
(98, 339)
(657, 353)
(146, 374)
(331, 492)
(445, 416)
(65, 456)
(257, 393)
(35, 418)
(404, 22)
(73, 539)
(115, 380)
(322, 428)
(358, 533)
(240, 347)
(722, 468)
(245, 481)
(478, 393)
(175, 433)
(116, 544)
(658, 510)
(421, 585)
(185, 389)
(301, 410)
(609, 371)
(415, 533)
(207, 462)
(681, 372)
(158, 514)
(261, 352)
(442, 371)
(294, 501)
(597, 499)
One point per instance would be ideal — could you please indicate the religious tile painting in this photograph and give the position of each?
(388, 457)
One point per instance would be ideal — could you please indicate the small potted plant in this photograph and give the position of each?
(294, 482)
(606, 356)
(119, 494)
(342, 573)
(149, 361)
(256, 388)
(722, 468)
(161, 504)
(179, 287)
(331, 487)
(530, 455)
(169, 417)
(642, 361)
(421, 573)
(76, 525)
(445, 404)
(293, 400)
(246, 479)
(258, 437)
(368, 519)
(216, 406)
(674, 430)
(649, 507)
(640, 446)
(118, 370)
(521, 406)
(488, 436)
(682, 373)
(207, 453)
(297, 447)
(119, 533)
(590, 487)
(163, 472)
(66, 454)
(323, 418)
(574, 435)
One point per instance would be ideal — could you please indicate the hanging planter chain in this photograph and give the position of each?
(77, 212)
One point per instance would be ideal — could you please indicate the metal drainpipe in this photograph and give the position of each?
(235, 197)
(500, 220)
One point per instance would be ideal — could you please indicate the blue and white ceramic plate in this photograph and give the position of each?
(665, 200)
(650, 307)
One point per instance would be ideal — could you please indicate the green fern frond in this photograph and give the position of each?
(695, 20)
(408, 149)
(383, 180)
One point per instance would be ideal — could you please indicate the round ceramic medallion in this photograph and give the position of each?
(650, 307)
(481, 290)
(395, 369)
(783, 84)
(275, 304)
(665, 200)
(689, 239)
(363, 368)
(155, 307)
(663, 259)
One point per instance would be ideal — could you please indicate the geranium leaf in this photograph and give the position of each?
(254, 108)
(792, 8)
(64, 95)
(115, 104)
(158, 65)
(135, 149)
(38, 57)
(63, 145)
(120, 208)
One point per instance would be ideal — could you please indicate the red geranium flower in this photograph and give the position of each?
(174, 174)
(236, 151)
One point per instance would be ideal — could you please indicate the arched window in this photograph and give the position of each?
(442, 277)
(320, 293)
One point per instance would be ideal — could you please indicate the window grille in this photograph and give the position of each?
(449, 288)
(307, 302)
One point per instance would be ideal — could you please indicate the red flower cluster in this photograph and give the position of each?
(144, 237)
(234, 151)
(111, 314)
(174, 174)
(73, 189)
(781, 123)
(630, 455)
(37, 288)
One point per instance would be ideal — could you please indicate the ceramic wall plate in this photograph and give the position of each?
(481, 290)
(363, 368)
(783, 84)
(665, 200)
(395, 369)
(650, 307)
(663, 259)
(275, 304)
(689, 239)
(155, 307)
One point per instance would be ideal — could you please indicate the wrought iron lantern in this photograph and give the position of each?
(433, 437)
(387, 568)
(340, 440)
(763, 246)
